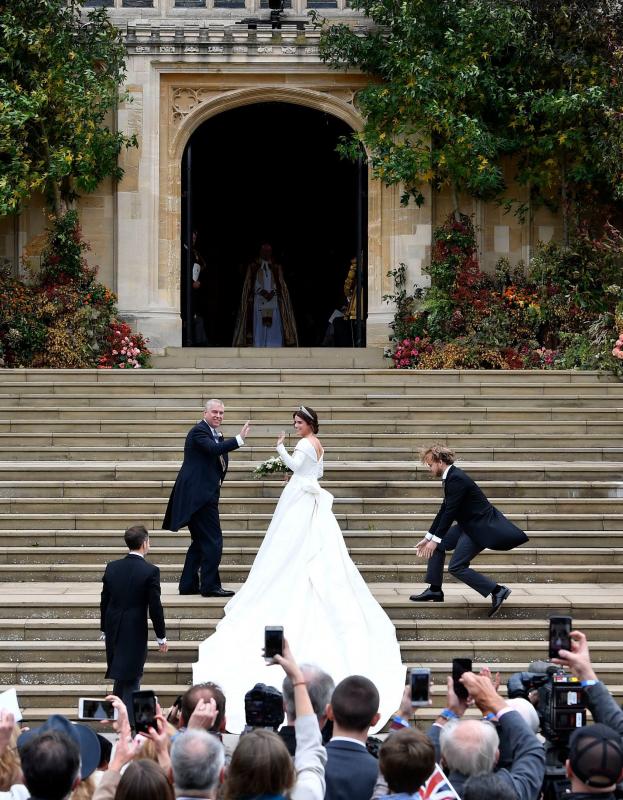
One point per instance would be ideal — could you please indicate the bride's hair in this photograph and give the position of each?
(260, 765)
(309, 415)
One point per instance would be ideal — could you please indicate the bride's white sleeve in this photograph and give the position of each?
(294, 461)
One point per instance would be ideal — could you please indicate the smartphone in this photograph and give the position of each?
(559, 635)
(96, 708)
(420, 687)
(144, 707)
(273, 641)
(459, 666)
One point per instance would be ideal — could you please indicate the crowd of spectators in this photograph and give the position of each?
(324, 750)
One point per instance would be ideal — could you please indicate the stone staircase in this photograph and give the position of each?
(87, 453)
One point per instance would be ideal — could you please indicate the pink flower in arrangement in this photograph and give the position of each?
(121, 366)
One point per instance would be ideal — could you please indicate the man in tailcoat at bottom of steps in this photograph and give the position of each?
(477, 525)
(130, 589)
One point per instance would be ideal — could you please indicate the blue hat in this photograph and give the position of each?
(83, 736)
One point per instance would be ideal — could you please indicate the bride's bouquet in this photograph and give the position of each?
(272, 466)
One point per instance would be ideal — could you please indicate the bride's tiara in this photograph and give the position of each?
(306, 412)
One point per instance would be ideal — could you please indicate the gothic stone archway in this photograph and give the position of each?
(187, 100)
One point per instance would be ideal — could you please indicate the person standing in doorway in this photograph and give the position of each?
(266, 317)
(130, 590)
(195, 498)
(477, 525)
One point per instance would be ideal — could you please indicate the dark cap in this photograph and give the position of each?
(83, 736)
(596, 755)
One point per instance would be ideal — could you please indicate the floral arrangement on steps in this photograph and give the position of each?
(125, 349)
(61, 317)
(272, 466)
(564, 312)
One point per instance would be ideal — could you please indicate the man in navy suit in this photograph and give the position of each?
(194, 501)
(477, 525)
(351, 771)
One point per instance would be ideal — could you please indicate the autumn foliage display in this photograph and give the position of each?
(62, 317)
(565, 311)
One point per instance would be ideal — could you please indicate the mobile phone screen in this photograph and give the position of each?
(459, 666)
(144, 706)
(420, 681)
(273, 641)
(559, 635)
(93, 708)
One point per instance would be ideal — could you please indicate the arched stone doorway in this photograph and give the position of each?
(269, 172)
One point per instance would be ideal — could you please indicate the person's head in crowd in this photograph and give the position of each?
(84, 790)
(197, 764)
(469, 746)
(354, 707)
(260, 765)
(50, 764)
(488, 787)
(105, 752)
(85, 738)
(406, 760)
(203, 691)
(10, 769)
(137, 539)
(526, 709)
(144, 780)
(320, 687)
(595, 763)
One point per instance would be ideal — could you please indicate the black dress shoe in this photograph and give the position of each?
(189, 591)
(497, 598)
(428, 595)
(220, 592)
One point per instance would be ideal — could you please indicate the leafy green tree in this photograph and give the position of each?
(444, 88)
(569, 109)
(60, 73)
(459, 84)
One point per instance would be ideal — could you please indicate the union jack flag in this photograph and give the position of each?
(438, 787)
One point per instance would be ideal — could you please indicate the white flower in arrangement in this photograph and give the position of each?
(272, 466)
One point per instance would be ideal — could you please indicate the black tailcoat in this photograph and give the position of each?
(465, 503)
(131, 588)
(199, 480)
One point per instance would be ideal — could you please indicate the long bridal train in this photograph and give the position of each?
(303, 579)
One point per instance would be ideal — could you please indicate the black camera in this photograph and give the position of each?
(263, 707)
(561, 706)
(560, 701)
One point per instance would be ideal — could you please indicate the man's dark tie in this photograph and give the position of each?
(218, 437)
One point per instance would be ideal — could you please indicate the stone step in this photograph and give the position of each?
(606, 571)
(197, 629)
(272, 488)
(57, 674)
(190, 401)
(279, 374)
(386, 419)
(251, 506)
(33, 540)
(375, 471)
(384, 452)
(531, 600)
(372, 521)
(233, 556)
(320, 357)
(13, 406)
(487, 651)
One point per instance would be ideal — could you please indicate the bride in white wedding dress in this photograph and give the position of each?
(303, 579)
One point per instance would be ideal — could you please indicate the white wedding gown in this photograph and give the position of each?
(303, 579)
